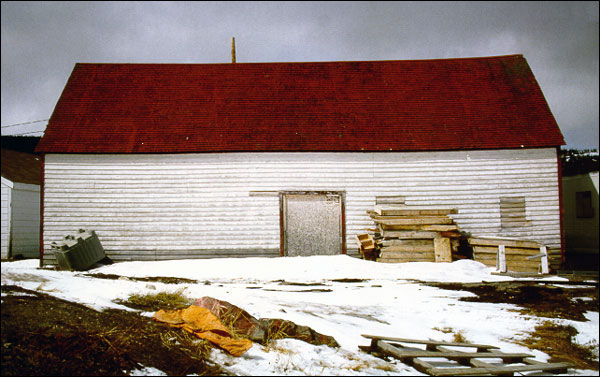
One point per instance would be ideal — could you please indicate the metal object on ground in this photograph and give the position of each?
(78, 251)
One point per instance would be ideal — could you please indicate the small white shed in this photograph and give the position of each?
(20, 204)
(580, 200)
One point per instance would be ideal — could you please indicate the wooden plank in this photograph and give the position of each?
(496, 370)
(424, 220)
(406, 255)
(394, 199)
(544, 262)
(506, 357)
(375, 216)
(405, 260)
(432, 342)
(500, 259)
(422, 366)
(509, 262)
(523, 268)
(560, 369)
(509, 257)
(416, 227)
(450, 234)
(405, 242)
(514, 268)
(409, 234)
(408, 248)
(401, 354)
(507, 250)
(412, 211)
(439, 228)
(523, 244)
(442, 250)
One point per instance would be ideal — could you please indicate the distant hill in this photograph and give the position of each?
(579, 161)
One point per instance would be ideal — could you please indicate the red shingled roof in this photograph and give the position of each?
(413, 105)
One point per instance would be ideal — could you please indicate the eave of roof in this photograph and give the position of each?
(21, 167)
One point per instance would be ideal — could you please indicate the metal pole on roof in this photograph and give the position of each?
(233, 49)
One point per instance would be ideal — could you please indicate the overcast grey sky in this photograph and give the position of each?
(42, 41)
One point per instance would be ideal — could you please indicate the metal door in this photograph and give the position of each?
(312, 223)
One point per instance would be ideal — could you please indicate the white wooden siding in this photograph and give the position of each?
(25, 220)
(5, 216)
(581, 234)
(201, 205)
(20, 219)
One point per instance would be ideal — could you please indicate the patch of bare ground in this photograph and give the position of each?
(557, 341)
(543, 300)
(159, 279)
(43, 335)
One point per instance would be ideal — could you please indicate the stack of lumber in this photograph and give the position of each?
(414, 234)
(520, 255)
(422, 234)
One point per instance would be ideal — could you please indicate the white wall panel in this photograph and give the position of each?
(199, 205)
(5, 216)
(25, 220)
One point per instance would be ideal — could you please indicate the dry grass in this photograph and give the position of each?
(194, 347)
(459, 336)
(557, 341)
(445, 330)
(156, 301)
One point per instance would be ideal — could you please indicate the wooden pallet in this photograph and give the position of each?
(465, 362)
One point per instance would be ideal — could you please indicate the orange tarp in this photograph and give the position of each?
(202, 323)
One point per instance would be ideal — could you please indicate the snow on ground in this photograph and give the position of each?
(381, 299)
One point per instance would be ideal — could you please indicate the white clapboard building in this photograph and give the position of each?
(170, 161)
(20, 204)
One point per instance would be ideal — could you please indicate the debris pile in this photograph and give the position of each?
(205, 325)
(264, 329)
(234, 329)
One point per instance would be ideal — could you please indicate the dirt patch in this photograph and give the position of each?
(557, 341)
(542, 300)
(302, 290)
(153, 279)
(349, 280)
(43, 335)
(284, 282)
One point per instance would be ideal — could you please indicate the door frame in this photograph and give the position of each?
(341, 194)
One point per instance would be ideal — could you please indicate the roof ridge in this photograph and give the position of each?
(320, 62)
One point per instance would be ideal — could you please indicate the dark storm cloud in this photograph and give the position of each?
(42, 41)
